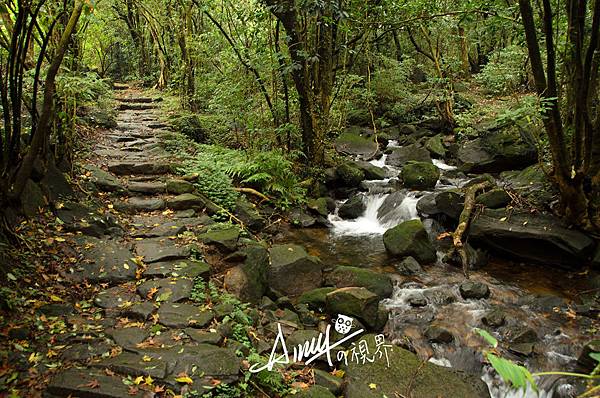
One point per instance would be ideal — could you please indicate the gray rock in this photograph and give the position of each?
(435, 146)
(314, 391)
(400, 156)
(437, 334)
(351, 142)
(474, 290)
(349, 175)
(160, 250)
(293, 271)
(387, 210)
(174, 268)
(191, 201)
(409, 239)
(55, 184)
(146, 187)
(352, 208)
(32, 199)
(166, 229)
(494, 198)
(354, 301)
(370, 171)
(105, 261)
(103, 180)
(170, 290)
(319, 206)
(409, 266)
(140, 311)
(344, 276)
(249, 214)
(223, 236)
(494, 318)
(115, 297)
(202, 337)
(78, 383)
(329, 381)
(315, 298)
(249, 280)
(129, 168)
(128, 337)
(420, 175)
(183, 315)
(134, 364)
(137, 204)
(178, 187)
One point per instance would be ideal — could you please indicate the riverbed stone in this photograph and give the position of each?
(401, 156)
(354, 301)
(177, 315)
(345, 276)
(531, 236)
(349, 175)
(249, 214)
(420, 175)
(474, 290)
(315, 298)
(223, 236)
(438, 334)
(408, 375)
(319, 206)
(154, 250)
(435, 146)
(351, 142)
(410, 239)
(409, 266)
(248, 281)
(370, 171)
(494, 198)
(293, 271)
(494, 318)
(352, 208)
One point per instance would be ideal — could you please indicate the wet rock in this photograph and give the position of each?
(314, 391)
(435, 146)
(128, 337)
(585, 362)
(174, 268)
(410, 239)
(420, 175)
(327, 380)
(300, 218)
(416, 300)
(166, 229)
(293, 271)
(531, 183)
(535, 237)
(183, 315)
(136, 205)
(354, 301)
(440, 296)
(139, 311)
(352, 208)
(477, 258)
(316, 298)
(494, 318)
(523, 349)
(55, 184)
(408, 375)
(148, 188)
(86, 350)
(524, 335)
(154, 250)
(191, 201)
(409, 266)
(319, 206)
(249, 214)
(388, 209)
(349, 175)
(133, 364)
(202, 337)
(474, 290)
(115, 297)
(87, 220)
(248, 281)
(82, 383)
(103, 180)
(401, 156)
(56, 309)
(370, 171)
(129, 168)
(495, 152)
(170, 290)
(105, 261)
(32, 199)
(351, 142)
(437, 334)
(223, 236)
(178, 187)
(494, 198)
(449, 203)
(344, 276)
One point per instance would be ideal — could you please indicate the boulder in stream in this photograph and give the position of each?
(355, 142)
(349, 175)
(352, 208)
(344, 276)
(420, 175)
(293, 271)
(410, 239)
(406, 374)
(533, 237)
(400, 156)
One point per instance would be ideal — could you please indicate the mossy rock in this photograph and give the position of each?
(494, 198)
(349, 174)
(435, 146)
(410, 239)
(345, 276)
(319, 206)
(351, 142)
(420, 175)
(315, 298)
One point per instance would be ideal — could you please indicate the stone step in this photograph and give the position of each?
(129, 167)
(120, 86)
(140, 100)
(147, 188)
(135, 107)
(137, 204)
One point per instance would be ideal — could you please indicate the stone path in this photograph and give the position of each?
(147, 272)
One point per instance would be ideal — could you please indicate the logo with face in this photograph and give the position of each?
(343, 324)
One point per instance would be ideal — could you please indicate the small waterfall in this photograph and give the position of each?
(440, 164)
(379, 162)
(372, 223)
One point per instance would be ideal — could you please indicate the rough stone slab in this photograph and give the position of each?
(146, 187)
(75, 382)
(129, 363)
(187, 268)
(140, 311)
(169, 290)
(167, 229)
(128, 337)
(187, 201)
(84, 351)
(105, 261)
(202, 337)
(157, 250)
(128, 167)
(115, 297)
(135, 205)
(183, 315)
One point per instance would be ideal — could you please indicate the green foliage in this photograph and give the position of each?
(506, 72)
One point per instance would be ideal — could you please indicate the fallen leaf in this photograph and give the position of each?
(372, 386)
(184, 379)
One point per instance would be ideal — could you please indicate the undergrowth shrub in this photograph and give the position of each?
(506, 72)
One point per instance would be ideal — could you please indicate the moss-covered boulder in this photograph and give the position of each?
(248, 281)
(344, 276)
(223, 236)
(314, 391)
(315, 298)
(177, 186)
(349, 175)
(420, 175)
(435, 146)
(371, 171)
(406, 375)
(318, 206)
(354, 141)
(249, 214)
(409, 239)
(293, 271)
(354, 301)
(352, 208)
(494, 198)
(409, 153)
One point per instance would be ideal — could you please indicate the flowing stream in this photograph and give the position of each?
(527, 294)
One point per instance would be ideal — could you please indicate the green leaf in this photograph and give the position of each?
(487, 337)
(512, 373)
(595, 356)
